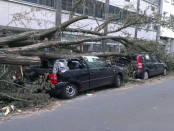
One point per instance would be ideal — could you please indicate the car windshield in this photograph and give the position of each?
(94, 62)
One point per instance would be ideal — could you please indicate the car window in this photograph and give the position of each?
(60, 66)
(94, 62)
(74, 64)
(154, 59)
(147, 58)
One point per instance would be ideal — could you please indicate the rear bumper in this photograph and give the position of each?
(139, 73)
(58, 88)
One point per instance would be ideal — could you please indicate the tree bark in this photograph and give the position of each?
(47, 44)
(35, 58)
(18, 60)
(44, 55)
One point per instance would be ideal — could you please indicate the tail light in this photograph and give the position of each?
(140, 64)
(53, 79)
(17, 75)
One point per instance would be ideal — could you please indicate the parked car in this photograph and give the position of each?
(144, 65)
(86, 72)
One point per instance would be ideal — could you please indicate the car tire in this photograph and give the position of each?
(164, 71)
(145, 75)
(69, 91)
(117, 81)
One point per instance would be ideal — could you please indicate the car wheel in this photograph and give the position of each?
(69, 91)
(117, 81)
(165, 72)
(146, 75)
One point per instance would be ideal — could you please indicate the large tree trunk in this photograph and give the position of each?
(18, 60)
(35, 58)
(46, 44)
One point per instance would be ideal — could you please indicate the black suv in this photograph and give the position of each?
(144, 65)
(86, 72)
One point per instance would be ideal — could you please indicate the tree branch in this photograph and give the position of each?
(8, 58)
(61, 43)
(84, 31)
(38, 34)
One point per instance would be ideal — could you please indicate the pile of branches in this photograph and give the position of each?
(22, 95)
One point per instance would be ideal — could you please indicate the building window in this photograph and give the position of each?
(118, 13)
(33, 1)
(172, 2)
(124, 14)
(111, 10)
(89, 7)
(79, 5)
(43, 2)
(171, 19)
(155, 2)
(155, 27)
(152, 8)
(50, 3)
(99, 9)
(67, 5)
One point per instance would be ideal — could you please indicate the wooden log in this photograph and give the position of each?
(18, 60)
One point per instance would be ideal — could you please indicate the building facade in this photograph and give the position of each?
(42, 14)
(166, 34)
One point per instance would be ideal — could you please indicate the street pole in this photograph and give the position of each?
(106, 9)
(137, 13)
(160, 6)
(58, 7)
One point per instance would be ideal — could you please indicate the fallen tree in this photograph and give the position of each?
(27, 48)
(27, 59)
(38, 39)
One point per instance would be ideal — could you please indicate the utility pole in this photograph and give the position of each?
(137, 13)
(58, 7)
(160, 6)
(106, 9)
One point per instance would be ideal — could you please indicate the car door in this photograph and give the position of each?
(161, 66)
(100, 73)
(149, 65)
(79, 73)
(157, 65)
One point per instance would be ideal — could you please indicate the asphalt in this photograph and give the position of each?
(148, 107)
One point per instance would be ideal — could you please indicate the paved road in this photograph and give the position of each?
(143, 108)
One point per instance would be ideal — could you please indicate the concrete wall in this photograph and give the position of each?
(123, 3)
(147, 7)
(91, 24)
(147, 35)
(24, 15)
(32, 16)
(87, 24)
(168, 9)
